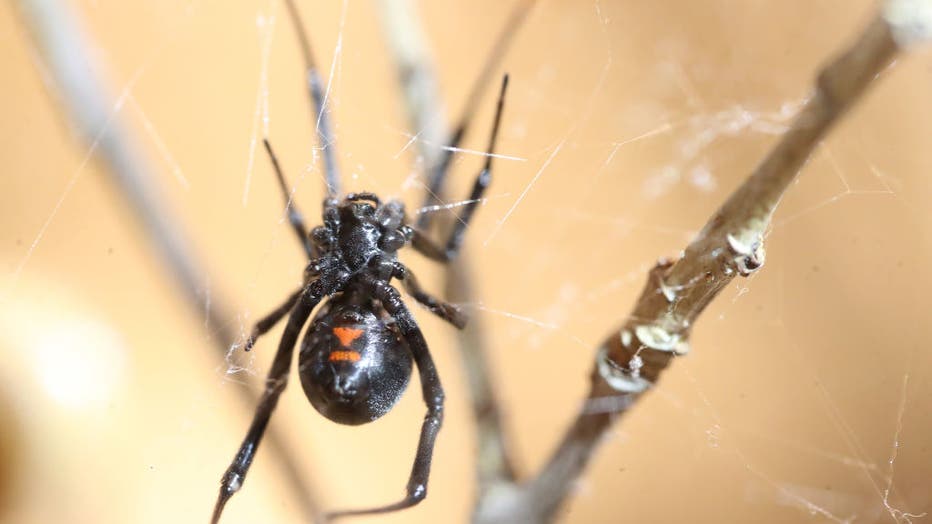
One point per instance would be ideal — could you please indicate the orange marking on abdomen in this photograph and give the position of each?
(343, 356)
(347, 335)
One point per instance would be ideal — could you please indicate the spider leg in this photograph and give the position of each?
(294, 216)
(448, 252)
(268, 321)
(442, 309)
(482, 181)
(433, 396)
(322, 119)
(275, 383)
(437, 175)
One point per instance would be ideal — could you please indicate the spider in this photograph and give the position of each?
(356, 356)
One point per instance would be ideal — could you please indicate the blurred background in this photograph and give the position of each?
(806, 397)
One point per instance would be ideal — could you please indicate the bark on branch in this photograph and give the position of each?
(426, 115)
(632, 357)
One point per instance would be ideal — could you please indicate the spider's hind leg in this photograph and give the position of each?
(275, 383)
(416, 489)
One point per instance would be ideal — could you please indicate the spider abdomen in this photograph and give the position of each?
(353, 365)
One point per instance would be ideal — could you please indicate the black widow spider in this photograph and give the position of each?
(356, 357)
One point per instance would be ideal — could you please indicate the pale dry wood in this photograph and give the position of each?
(633, 356)
(427, 118)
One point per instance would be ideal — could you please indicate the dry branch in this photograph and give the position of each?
(85, 97)
(426, 114)
(633, 356)
(415, 68)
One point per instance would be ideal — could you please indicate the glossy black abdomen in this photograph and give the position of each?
(353, 365)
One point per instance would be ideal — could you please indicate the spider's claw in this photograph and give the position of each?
(415, 495)
(230, 484)
(250, 342)
(218, 508)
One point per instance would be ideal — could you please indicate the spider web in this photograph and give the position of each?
(626, 125)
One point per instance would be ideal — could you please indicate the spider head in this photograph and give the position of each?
(359, 233)
(353, 368)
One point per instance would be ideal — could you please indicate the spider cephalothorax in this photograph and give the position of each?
(358, 353)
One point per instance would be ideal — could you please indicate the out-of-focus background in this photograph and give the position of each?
(806, 397)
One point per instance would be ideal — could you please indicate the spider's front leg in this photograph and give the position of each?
(294, 216)
(433, 396)
(447, 252)
(274, 385)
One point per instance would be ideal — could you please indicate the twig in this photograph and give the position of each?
(426, 115)
(84, 96)
(632, 358)
(408, 44)
(494, 463)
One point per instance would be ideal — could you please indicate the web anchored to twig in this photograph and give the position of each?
(632, 358)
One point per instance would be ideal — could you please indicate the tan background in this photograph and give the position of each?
(116, 409)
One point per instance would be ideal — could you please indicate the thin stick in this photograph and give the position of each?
(407, 43)
(405, 35)
(84, 96)
(437, 172)
(494, 463)
(633, 357)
